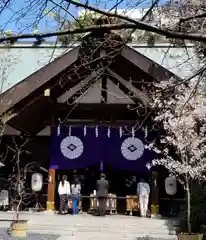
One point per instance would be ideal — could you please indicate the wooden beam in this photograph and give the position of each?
(155, 194)
(147, 65)
(137, 93)
(122, 88)
(21, 90)
(99, 112)
(78, 88)
(7, 116)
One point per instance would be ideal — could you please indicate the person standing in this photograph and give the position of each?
(102, 193)
(64, 191)
(143, 191)
(75, 190)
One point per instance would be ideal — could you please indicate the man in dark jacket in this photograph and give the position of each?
(102, 193)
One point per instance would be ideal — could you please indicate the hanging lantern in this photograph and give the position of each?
(85, 131)
(36, 182)
(108, 132)
(96, 131)
(58, 130)
(4, 198)
(171, 186)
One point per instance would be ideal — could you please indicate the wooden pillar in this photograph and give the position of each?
(51, 191)
(155, 194)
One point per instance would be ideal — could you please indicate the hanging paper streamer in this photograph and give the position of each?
(108, 132)
(101, 166)
(70, 130)
(145, 132)
(96, 131)
(133, 132)
(58, 130)
(120, 132)
(85, 131)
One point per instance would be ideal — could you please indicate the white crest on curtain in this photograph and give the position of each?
(85, 131)
(36, 182)
(58, 130)
(108, 132)
(70, 130)
(133, 132)
(96, 131)
(120, 132)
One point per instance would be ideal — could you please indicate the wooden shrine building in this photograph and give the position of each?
(100, 82)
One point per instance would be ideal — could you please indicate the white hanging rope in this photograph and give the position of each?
(70, 130)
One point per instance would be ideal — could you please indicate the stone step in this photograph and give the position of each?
(66, 226)
(139, 237)
(88, 227)
(71, 231)
(110, 235)
(92, 225)
(99, 229)
(49, 222)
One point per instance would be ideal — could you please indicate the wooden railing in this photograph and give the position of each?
(132, 203)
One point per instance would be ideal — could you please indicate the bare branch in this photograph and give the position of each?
(107, 27)
(202, 15)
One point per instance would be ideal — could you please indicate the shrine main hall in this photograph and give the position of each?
(86, 110)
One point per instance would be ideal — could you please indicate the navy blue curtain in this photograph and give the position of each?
(75, 151)
(127, 152)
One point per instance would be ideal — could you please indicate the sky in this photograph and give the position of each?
(20, 15)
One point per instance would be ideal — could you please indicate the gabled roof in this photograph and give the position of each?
(33, 111)
(31, 83)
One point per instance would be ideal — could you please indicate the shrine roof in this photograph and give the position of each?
(179, 60)
(27, 70)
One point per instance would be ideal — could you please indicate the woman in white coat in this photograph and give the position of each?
(64, 191)
(143, 191)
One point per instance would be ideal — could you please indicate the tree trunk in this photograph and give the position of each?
(188, 207)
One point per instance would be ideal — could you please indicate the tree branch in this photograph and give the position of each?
(106, 13)
(149, 10)
(107, 27)
(185, 19)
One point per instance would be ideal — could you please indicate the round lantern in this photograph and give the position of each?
(36, 182)
(171, 185)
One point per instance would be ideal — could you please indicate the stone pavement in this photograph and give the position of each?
(88, 227)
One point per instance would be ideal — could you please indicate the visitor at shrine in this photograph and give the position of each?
(102, 193)
(75, 190)
(64, 191)
(143, 191)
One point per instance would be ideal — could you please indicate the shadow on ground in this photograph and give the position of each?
(31, 236)
(172, 225)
